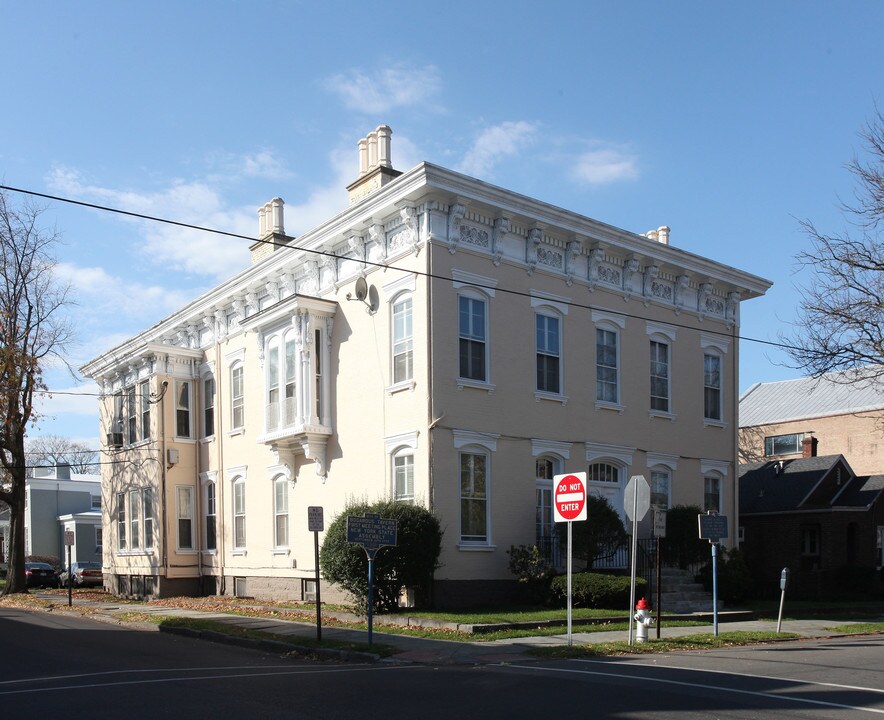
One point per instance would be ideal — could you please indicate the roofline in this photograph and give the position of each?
(415, 184)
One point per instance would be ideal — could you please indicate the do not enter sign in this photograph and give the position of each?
(569, 497)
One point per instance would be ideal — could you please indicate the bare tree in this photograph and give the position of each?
(33, 330)
(57, 450)
(842, 307)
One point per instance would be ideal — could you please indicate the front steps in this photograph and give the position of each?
(680, 594)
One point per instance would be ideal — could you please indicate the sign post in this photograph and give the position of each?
(713, 527)
(372, 532)
(569, 502)
(659, 533)
(316, 524)
(69, 541)
(784, 581)
(636, 502)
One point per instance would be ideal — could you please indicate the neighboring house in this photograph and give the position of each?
(57, 500)
(836, 415)
(814, 516)
(442, 341)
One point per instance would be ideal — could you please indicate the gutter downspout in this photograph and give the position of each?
(165, 566)
(219, 476)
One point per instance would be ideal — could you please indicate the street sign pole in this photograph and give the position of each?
(316, 523)
(715, 589)
(569, 582)
(569, 504)
(372, 532)
(370, 555)
(632, 564)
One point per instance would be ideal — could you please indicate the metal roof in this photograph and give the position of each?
(806, 398)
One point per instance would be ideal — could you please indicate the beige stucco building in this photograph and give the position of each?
(441, 341)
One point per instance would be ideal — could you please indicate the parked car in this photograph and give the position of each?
(83, 573)
(40, 574)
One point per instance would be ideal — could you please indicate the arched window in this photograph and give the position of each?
(603, 472)
(472, 310)
(403, 475)
(546, 468)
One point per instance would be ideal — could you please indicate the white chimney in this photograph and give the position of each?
(663, 234)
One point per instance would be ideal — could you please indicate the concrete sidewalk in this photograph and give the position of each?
(441, 652)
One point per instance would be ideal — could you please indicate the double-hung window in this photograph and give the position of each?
(660, 484)
(237, 401)
(132, 414)
(712, 387)
(280, 512)
(135, 519)
(121, 521)
(548, 336)
(273, 384)
(473, 497)
(208, 407)
(182, 408)
(403, 477)
(712, 494)
(403, 340)
(211, 518)
(239, 513)
(147, 502)
(606, 370)
(185, 518)
(145, 409)
(660, 376)
(290, 409)
(473, 338)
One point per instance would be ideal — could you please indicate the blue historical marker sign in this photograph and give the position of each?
(712, 527)
(371, 531)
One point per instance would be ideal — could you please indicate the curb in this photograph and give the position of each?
(273, 646)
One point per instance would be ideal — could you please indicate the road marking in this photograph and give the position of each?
(758, 677)
(722, 688)
(301, 671)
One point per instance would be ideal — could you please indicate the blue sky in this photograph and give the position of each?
(727, 122)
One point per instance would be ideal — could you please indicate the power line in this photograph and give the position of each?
(418, 273)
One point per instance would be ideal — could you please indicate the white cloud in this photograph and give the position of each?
(396, 86)
(193, 202)
(496, 143)
(78, 400)
(605, 165)
(128, 300)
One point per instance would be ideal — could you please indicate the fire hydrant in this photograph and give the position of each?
(643, 619)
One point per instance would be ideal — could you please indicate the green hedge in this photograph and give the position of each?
(596, 590)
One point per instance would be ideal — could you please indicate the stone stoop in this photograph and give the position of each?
(680, 594)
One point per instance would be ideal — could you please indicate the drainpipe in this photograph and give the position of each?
(219, 476)
(163, 539)
(197, 505)
(430, 415)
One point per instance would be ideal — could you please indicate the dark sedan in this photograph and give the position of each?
(39, 574)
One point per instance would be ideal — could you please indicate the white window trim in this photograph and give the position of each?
(396, 442)
(550, 310)
(408, 383)
(606, 321)
(721, 467)
(551, 447)
(709, 341)
(658, 459)
(599, 452)
(659, 333)
(191, 400)
(476, 293)
(485, 450)
(401, 451)
(480, 283)
(465, 438)
(236, 549)
(713, 474)
(407, 283)
(238, 429)
(277, 475)
(210, 477)
(181, 549)
(717, 347)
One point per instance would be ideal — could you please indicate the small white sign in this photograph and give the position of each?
(69, 538)
(315, 522)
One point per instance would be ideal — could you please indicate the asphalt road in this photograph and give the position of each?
(64, 666)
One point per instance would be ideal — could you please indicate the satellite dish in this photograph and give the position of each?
(361, 289)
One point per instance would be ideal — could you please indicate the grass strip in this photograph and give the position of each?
(687, 642)
(863, 628)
